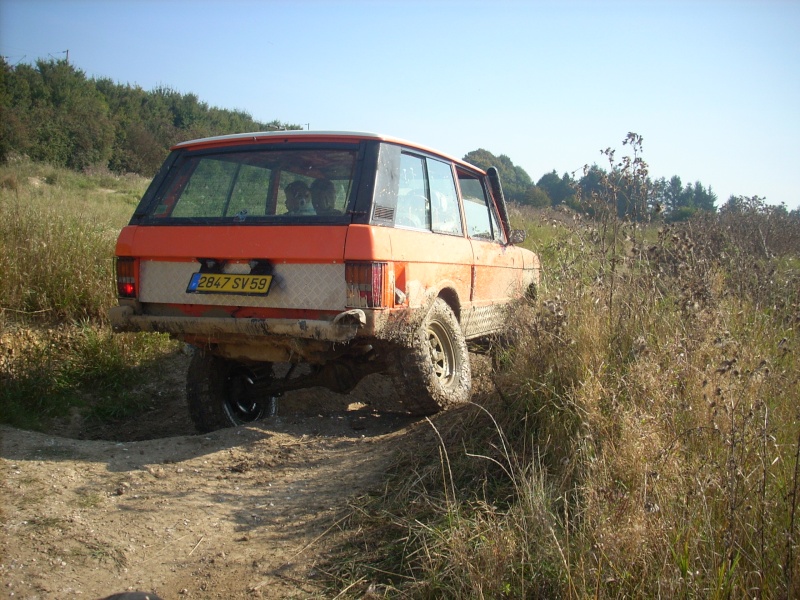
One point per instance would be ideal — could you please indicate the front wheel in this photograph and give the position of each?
(223, 393)
(435, 371)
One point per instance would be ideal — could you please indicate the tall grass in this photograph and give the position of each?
(642, 439)
(57, 231)
(57, 235)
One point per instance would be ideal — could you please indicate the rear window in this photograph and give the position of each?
(239, 186)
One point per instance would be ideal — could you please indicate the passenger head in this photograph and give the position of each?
(298, 198)
(323, 196)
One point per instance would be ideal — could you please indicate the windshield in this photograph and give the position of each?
(238, 186)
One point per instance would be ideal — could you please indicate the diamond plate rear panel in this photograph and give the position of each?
(304, 286)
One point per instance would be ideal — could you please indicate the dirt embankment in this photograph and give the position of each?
(148, 505)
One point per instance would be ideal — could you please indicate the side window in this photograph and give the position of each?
(482, 221)
(445, 215)
(413, 204)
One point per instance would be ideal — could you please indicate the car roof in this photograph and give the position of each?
(309, 136)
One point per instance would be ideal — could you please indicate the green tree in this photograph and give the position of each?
(52, 113)
(537, 197)
(674, 196)
(75, 116)
(682, 202)
(702, 198)
(591, 184)
(517, 183)
(9, 123)
(559, 189)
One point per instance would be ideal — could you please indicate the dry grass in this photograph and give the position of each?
(643, 440)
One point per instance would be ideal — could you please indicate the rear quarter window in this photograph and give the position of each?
(413, 203)
(427, 196)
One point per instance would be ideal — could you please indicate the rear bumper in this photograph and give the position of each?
(343, 328)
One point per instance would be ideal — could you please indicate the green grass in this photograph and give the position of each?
(57, 234)
(50, 370)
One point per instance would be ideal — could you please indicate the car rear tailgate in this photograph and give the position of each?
(306, 263)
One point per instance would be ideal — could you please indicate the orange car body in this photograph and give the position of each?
(334, 279)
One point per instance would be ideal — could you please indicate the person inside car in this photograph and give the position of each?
(323, 197)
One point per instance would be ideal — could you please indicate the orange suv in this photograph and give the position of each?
(354, 253)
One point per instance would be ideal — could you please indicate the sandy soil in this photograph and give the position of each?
(148, 505)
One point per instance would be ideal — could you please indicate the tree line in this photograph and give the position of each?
(51, 112)
(671, 198)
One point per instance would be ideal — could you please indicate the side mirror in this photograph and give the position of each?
(517, 236)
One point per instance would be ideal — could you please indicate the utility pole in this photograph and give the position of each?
(62, 52)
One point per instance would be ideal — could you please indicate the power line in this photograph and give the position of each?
(9, 58)
(62, 52)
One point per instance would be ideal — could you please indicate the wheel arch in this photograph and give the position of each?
(450, 296)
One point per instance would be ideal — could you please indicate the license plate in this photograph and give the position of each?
(220, 283)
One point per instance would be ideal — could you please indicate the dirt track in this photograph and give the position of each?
(240, 513)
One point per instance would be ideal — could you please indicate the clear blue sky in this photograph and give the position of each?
(712, 85)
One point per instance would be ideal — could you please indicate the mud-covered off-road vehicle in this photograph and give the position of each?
(353, 253)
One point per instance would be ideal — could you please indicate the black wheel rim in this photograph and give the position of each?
(240, 403)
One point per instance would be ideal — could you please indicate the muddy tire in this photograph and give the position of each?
(222, 393)
(435, 373)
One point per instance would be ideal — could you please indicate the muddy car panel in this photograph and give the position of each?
(406, 225)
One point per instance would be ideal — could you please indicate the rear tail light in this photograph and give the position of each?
(126, 277)
(369, 285)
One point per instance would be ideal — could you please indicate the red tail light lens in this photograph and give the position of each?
(369, 285)
(126, 277)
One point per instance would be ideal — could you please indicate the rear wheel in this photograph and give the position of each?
(223, 393)
(435, 371)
